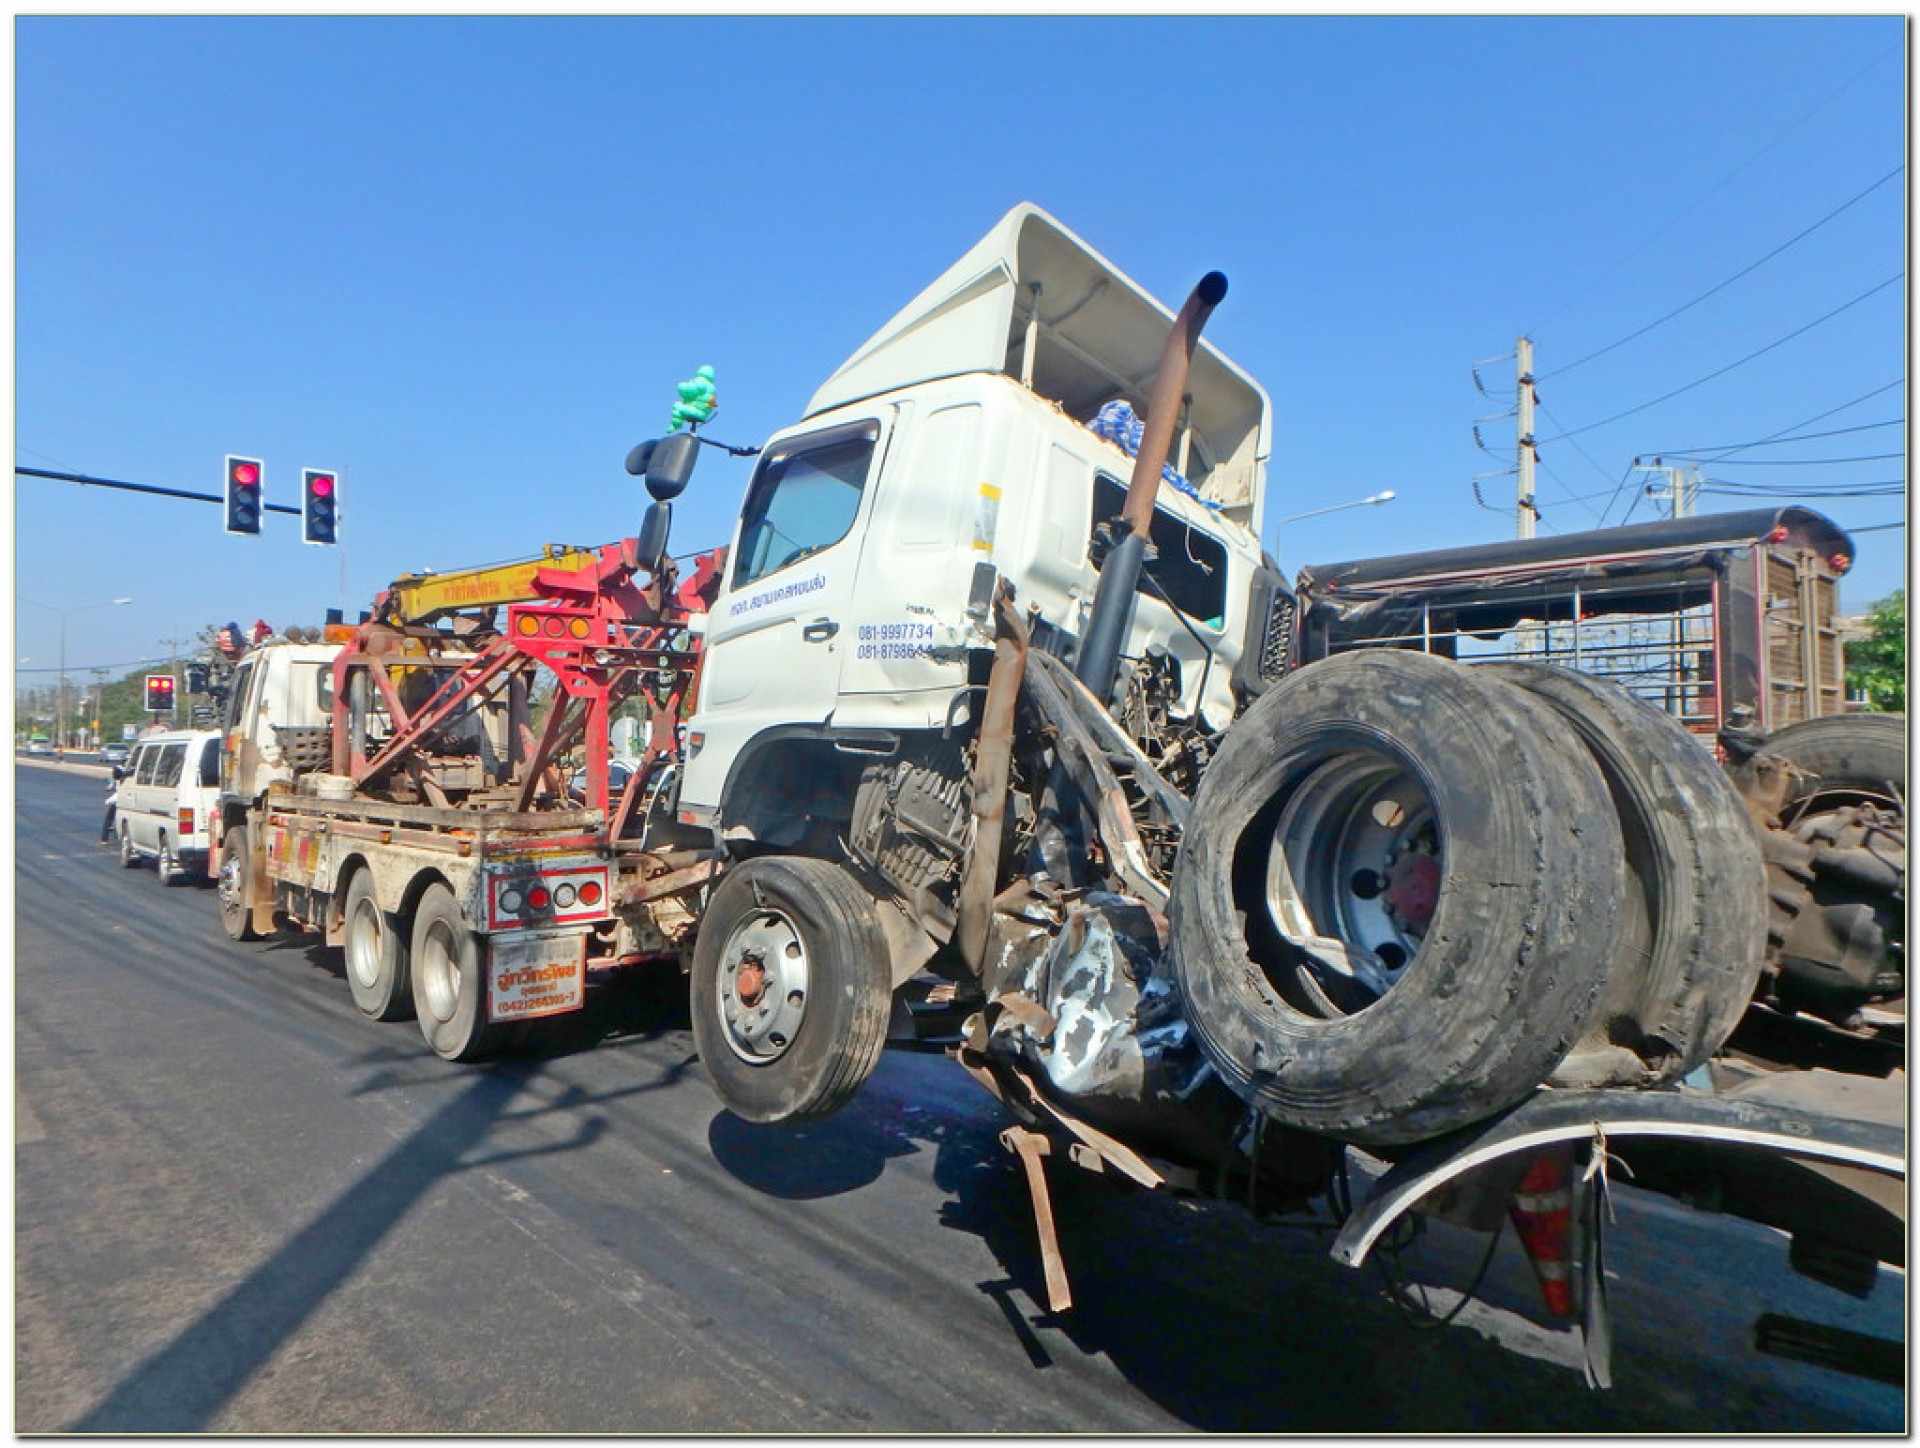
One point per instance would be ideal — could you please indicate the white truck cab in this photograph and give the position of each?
(953, 450)
(277, 717)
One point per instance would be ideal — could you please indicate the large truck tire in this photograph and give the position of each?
(1843, 758)
(1696, 937)
(235, 884)
(376, 954)
(1828, 800)
(790, 993)
(449, 981)
(1394, 902)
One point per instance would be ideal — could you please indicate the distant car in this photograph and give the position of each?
(39, 746)
(619, 771)
(114, 753)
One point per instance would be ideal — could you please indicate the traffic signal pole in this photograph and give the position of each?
(92, 482)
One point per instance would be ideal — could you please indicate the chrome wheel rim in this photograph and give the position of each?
(366, 939)
(1354, 874)
(438, 967)
(762, 996)
(231, 880)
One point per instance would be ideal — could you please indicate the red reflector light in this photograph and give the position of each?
(538, 897)
(590, 893)
(1840, 562)
(246, 475)
(1778, 535)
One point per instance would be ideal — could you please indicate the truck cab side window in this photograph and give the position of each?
(803, 500)
(236, 699)
(1189, 565)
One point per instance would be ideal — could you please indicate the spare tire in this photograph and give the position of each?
(1393, 904)
(1843, 759)
(1696, 937)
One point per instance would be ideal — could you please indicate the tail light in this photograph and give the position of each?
(186, 821)
(551, 895)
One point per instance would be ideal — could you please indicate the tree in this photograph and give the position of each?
(1877, 664)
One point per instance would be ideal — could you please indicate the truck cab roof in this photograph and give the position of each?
(1034, 302)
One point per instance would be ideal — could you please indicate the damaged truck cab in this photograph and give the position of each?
(952, 450)
(1206, 915)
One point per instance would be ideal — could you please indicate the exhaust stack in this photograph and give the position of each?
(1113, 601)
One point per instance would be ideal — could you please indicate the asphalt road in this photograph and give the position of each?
(240, 1208)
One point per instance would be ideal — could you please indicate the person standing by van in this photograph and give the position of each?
(113, 799)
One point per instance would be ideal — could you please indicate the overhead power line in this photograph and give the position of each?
(105, 668)
(1725, 180)
(1723, 371)
(1817, 417)
(1711, 291)
(1788, 462)
(1889, 488)
(1768, 441)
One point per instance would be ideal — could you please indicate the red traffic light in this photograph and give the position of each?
(246, 482)
(159, 693)
(320, 489)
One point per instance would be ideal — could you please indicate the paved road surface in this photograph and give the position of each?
(240, 1208)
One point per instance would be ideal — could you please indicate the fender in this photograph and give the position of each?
(1760, 1113)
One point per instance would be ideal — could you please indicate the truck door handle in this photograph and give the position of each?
(820, 630)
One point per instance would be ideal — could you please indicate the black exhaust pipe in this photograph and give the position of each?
(1113, 601)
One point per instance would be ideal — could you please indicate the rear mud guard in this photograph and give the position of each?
(1619, 1118)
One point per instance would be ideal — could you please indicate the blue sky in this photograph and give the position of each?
(466, 261)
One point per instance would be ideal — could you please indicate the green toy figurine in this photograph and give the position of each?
(697, 400)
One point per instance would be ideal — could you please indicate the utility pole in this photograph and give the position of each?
(1524, 510)
(99, 693)
(1681, 490)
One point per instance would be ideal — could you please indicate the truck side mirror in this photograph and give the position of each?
(666, 463)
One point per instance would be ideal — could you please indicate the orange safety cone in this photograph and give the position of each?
(1542, 1214)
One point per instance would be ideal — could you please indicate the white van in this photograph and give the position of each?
(169, 791)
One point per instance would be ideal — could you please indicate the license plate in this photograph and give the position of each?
(533, 976)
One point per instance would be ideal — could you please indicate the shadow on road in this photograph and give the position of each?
(182, 1387)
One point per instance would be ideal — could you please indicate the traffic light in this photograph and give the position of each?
(320, 501)
(159, 693)
(244, 481)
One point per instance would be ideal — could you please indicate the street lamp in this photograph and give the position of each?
(1372, 500)
(60, 707)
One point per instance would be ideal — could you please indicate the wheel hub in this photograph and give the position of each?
(1413, 889)
(763, 987)
(750, 983)
(1353, 874)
